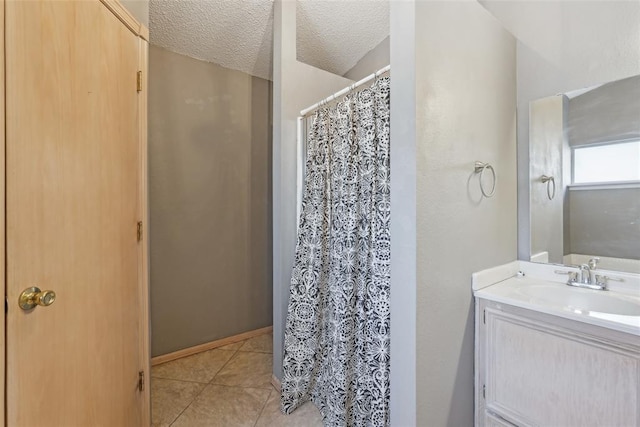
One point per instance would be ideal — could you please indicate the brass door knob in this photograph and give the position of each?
(31, 297)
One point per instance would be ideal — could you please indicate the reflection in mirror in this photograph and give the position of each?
(585, 177)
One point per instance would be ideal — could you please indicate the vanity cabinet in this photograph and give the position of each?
(536, 369)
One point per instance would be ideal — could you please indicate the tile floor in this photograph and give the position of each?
(229, 386)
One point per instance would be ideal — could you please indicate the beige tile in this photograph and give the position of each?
(169, 398)
(233, 346)
(224, 406)
(200, 367)
(246, 370)
(305, 416)
(261, 344)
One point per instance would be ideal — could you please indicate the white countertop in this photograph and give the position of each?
(539, 289)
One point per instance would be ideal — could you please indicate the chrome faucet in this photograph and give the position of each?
(585, 274)
(582, 279)
(593, 263)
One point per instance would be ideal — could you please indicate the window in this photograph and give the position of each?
(613, 162)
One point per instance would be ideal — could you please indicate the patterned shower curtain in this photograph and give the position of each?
(337, 334)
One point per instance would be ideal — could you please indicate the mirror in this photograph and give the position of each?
(584, 164)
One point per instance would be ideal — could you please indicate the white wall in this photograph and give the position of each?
(295, 86)
(403, 213)
(466, 106)
(548, 117)
(563, 46)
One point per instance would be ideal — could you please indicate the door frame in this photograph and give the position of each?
(144, 315)
(3, 222)
(142, 32)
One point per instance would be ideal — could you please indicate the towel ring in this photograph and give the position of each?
(480, 168)
(551, 185)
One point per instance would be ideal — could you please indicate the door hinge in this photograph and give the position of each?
(141, 381)
(484, 391)
(139, 81)
(484, 316)
(139, 231)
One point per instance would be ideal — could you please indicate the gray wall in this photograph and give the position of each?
(605, 222)
(563, 46)
(295, 86)
(210, 201)
(372, 61)
(139, 9)
(547, 118)
(466, 111)
(610, 112)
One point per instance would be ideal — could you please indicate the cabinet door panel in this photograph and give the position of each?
(539, 376)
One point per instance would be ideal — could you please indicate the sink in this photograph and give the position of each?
(537, 287)
(581, 300)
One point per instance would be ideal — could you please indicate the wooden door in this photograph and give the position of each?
(72, 208)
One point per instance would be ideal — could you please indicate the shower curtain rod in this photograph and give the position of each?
(344, 91)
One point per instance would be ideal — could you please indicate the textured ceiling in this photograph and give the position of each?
(235, 34)
(238, 34)
(334, 35)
